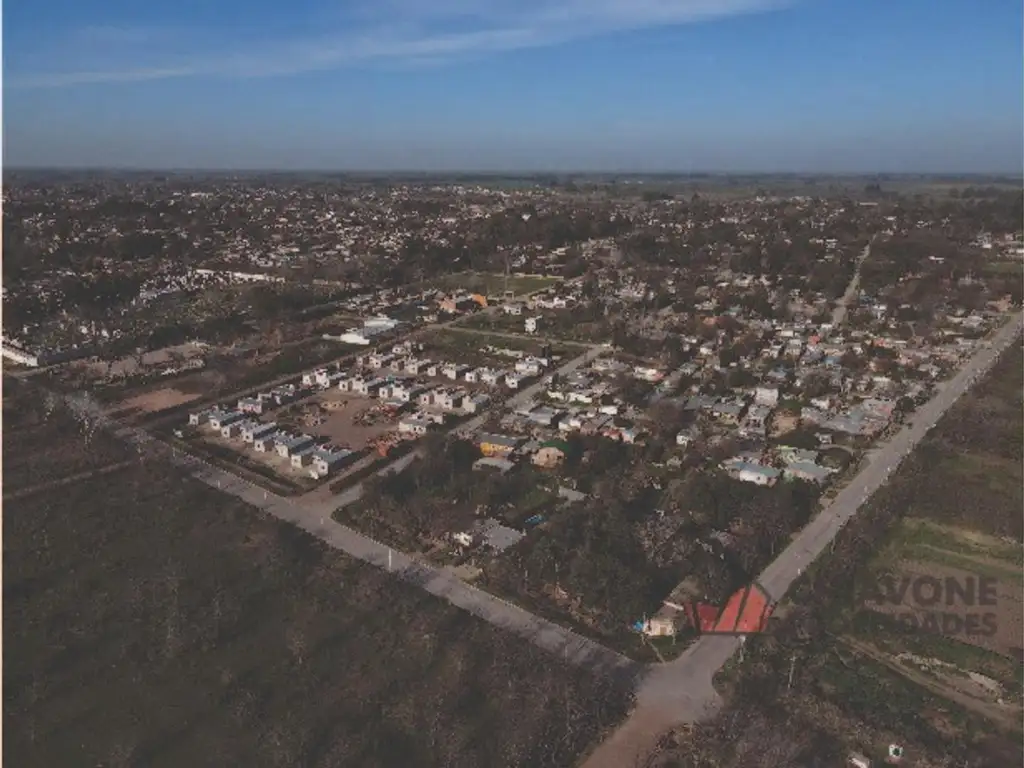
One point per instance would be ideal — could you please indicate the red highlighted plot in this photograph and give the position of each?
(746, 613)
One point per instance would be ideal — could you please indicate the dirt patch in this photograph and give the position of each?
(158, 358)
(783, 423)
(340, 412)
(159, 400)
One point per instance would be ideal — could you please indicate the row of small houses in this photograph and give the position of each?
(400, 391)
(264, 401)
(301, 450)
(526, 367)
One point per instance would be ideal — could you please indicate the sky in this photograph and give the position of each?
(866, 86)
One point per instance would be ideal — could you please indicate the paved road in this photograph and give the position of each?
(681, 691)
(839, 313)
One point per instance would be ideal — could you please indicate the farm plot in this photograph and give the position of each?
(960, 534)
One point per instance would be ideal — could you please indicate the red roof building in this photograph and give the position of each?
(745, 613)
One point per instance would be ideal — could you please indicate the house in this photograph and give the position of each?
(661, 624)
(512, 380)
(751, 471)
(327, 459)
(807, 470)
(254, 430)
(254, 405)
(416, 367)
(475, 403)
(530, 366)
(543, 415)
(497, 445)
(309, 379)
(513, 308)
(266, 443)
(229, 431)
(454, 371)
(289, 445)
(284, 394)
(219, 418)
(532, 324)
(493, 462)
(370, 387)
(551, 454)
(196, 419)
(448, 399)
(728, 413)
(303, 457)
(455, 304)
(415, 424)
(331, 379)
(398, 391)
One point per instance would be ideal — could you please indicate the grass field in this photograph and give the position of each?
(44, 445)
(154, 621)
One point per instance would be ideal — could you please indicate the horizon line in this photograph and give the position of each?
(527, 172)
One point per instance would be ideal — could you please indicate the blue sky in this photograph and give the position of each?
(642, 85)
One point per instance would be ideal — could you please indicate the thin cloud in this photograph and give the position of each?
(114, 34)
(425, 32)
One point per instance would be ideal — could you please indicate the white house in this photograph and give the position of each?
(326, 460)
(266, 443)
(195, 419)
(529, 366)
(532, 323)
(302, 458)
(289, 446)
(219, 418)
(310, 378)
(254, 430)
(454, 371)
(415, 424)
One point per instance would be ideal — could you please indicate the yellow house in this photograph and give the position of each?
(497, 445)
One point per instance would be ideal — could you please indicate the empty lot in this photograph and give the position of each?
(153, 621)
